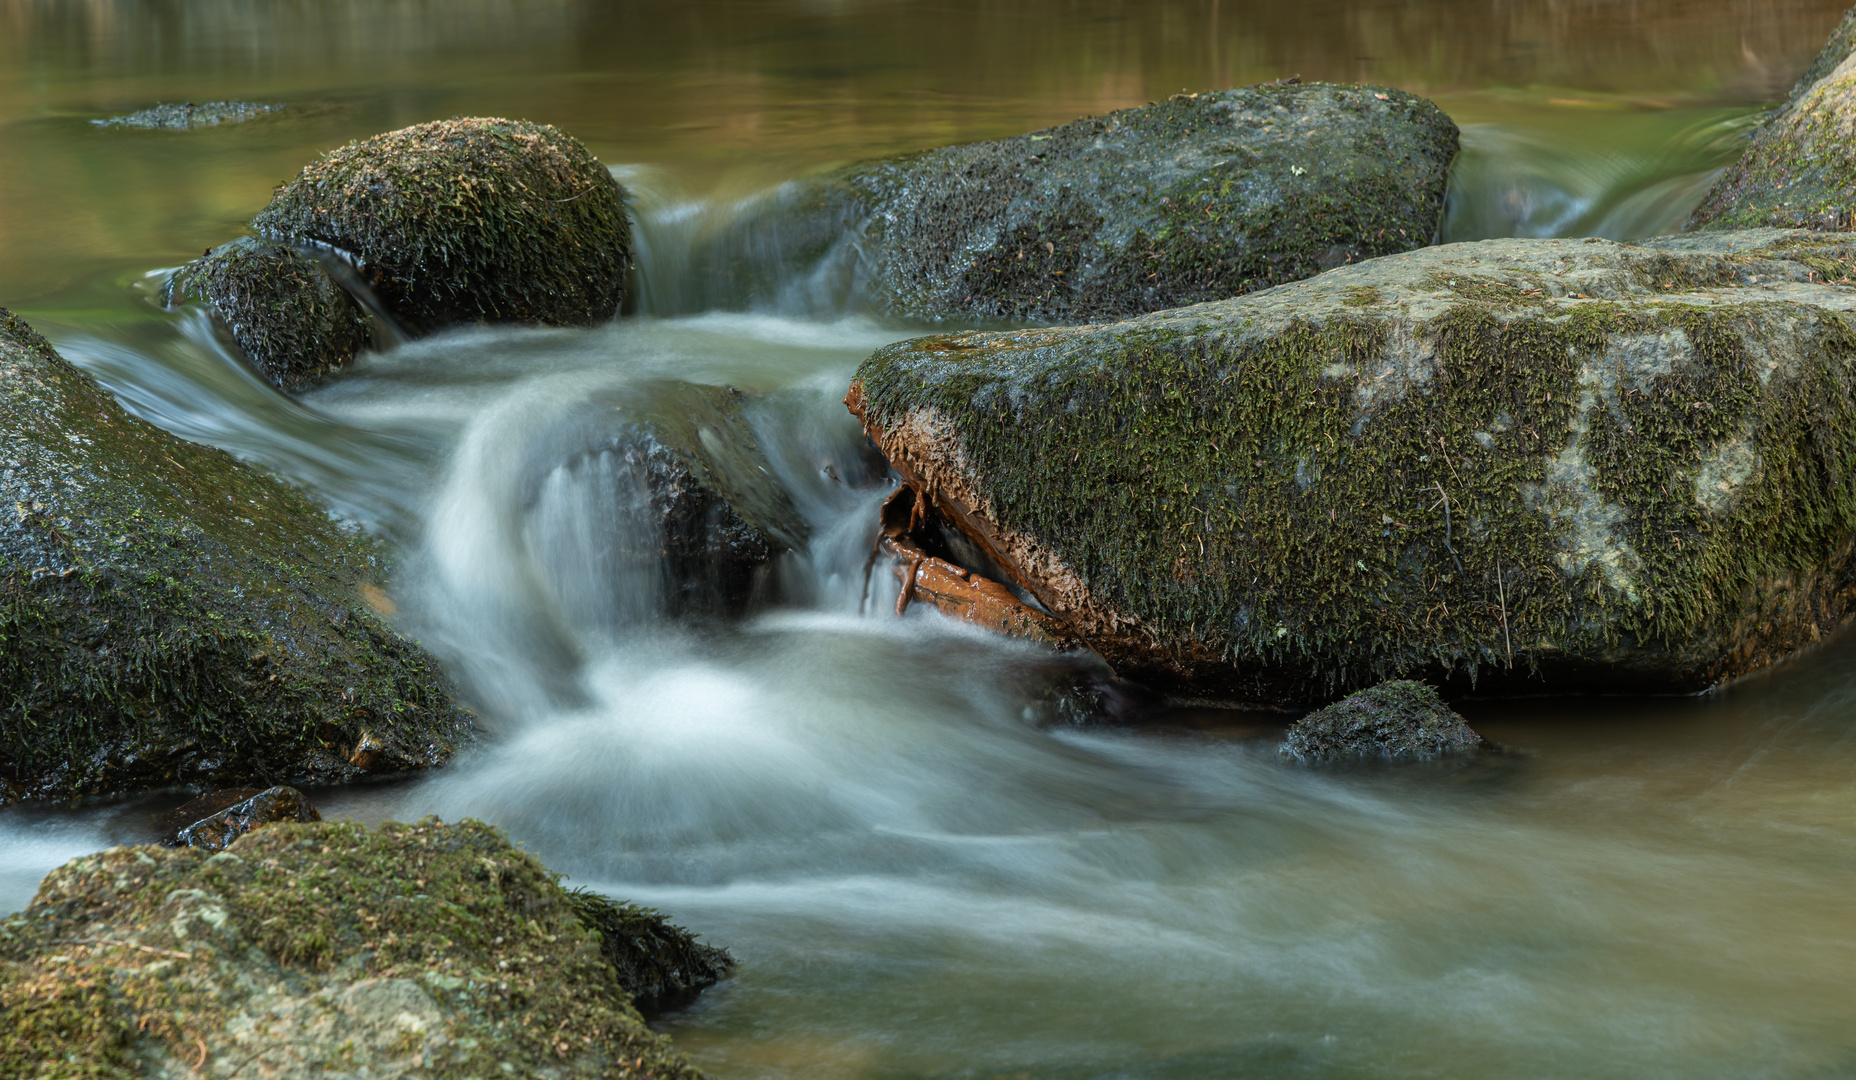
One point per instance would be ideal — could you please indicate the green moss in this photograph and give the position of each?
(144, 955)
(1798, 171)
(1288, 519)
(468, 219)
(169, 615)
(658, 964)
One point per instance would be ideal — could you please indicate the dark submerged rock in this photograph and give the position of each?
(187, 116)
(1799, 169)
(426, 949)
(172, 616)
(660, 965)
(216, 820)
(1394, 721)
(294, 324)
(1536, 464)
(1201, 197)
(468, 220)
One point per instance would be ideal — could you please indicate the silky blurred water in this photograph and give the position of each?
(919, 879)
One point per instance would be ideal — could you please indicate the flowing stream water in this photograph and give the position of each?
(918, 880)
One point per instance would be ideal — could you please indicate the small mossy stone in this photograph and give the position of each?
(1529, 465)
(1399, 720)
(468, 220)
(1199, 197)
(659, 965)
(187, 116)
(293, 323)
(171, 616)
(420, 949)
(1799, 168)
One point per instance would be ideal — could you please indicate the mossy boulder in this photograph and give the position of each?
(467, 220)
(1799, 169)
(293, 323)
(1200, 197)
(1539, 464)
(317, 949)
(170, 616)
(1400, 720)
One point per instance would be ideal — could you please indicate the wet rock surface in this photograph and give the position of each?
(1201, 197)
(294, 323)
(1799, 169)
(467, 220)
(186, 116)
(1535, 464)
(1399, 720)
(425, 950)
(172, 616)
(214, 820)
(660, 965)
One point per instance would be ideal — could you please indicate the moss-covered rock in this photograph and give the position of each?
(1200, 197)
(169, 615)
(187, 116)
(1799, 169)
(467, 220)
(1400, 720)
(1547, 464)
(294, 324)
(425, 950)
(659, 965)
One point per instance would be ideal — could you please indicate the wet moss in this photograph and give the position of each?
(291, 321)
(468, 220)
(436, 948)
(169, 615)
(1283, 499)
(1399, 720)
(659, 965)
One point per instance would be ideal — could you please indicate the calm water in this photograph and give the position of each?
(919, 881)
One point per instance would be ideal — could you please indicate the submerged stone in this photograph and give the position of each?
(1201, 197)
(320, 949)
(216, 820)
(172, 616)
(467, 220)
(1799, 169)
(1399, 720)
(187, 116)
(1539, 464)
(294, 324)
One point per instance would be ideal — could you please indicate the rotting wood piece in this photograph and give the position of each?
(956, 591)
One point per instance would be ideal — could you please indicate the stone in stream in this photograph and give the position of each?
(172, 616)
(1799, 168)
(1200, 197)
(188, 116)
(214, 820)
(329, 949)
(294, 324)
(467, 220)
(1545, 464)
(1400, 720)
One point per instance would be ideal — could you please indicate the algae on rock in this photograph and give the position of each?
(1543, 464)
(169, 615)
(1799, 169)
(1200, 197)
(1399, 720)
(467, 220)
(421, 950)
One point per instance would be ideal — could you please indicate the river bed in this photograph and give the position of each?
(918, 879)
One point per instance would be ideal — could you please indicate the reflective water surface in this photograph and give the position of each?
(919, 880)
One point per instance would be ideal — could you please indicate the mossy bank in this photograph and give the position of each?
(425, 950)
(1538, 464)
(1200, 197)
(171, 616)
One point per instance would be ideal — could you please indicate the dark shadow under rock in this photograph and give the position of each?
(1399, 720)
(294, 324)
(662, 966)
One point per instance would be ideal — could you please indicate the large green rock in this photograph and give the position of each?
(1548, 464)
(326, 949)
(169, 615)
(467, 220)
(1200, 197)
(1799, 169)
